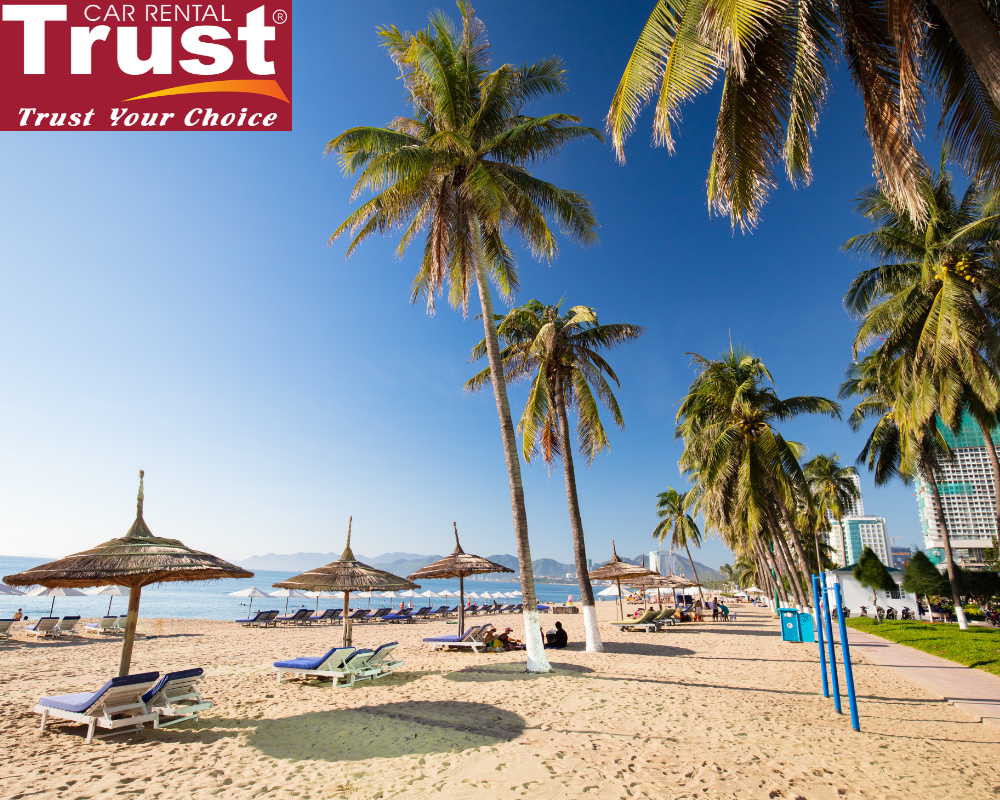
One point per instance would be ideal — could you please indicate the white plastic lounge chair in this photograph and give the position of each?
(45, 626)
(328, 665)
(384, 660)
(470, 639)
(5, 627)
(116, 706)
(645, 622)
(66, 625)
(104, 625)
(176, 695)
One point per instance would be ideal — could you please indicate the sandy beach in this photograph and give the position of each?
(709, 710)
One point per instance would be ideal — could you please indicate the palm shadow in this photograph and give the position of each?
(515, 670)
(390, 730)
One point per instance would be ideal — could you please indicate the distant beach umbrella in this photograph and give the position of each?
(448, 593)
(429, 593)
(611, 591)
(324, 596)
(41, 591)
(7, 590)
(111, 592)
(252, 592)
(458, 565)
(135, 560)
(347, 575)
(616, 570)
(289, 593)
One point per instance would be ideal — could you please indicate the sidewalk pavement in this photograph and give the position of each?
(974, 690)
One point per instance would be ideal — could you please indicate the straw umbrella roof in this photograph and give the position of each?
(616, 569)
(656, 581)
(346, 574)
(458, 565)
(136, 559)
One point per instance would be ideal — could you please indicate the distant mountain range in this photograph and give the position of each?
(407, 563)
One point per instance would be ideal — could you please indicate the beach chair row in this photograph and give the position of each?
(651, 621)
(128, 703)
(344, 665)
(54, 627)
(271, 619)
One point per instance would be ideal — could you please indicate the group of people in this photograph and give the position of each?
(695, 612)
(555, 638)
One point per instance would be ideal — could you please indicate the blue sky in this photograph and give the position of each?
(168, 301)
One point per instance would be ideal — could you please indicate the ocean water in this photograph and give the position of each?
(210, 599)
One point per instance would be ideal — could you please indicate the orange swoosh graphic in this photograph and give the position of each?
(269, 88)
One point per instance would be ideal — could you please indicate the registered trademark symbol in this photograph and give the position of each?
(279, 17)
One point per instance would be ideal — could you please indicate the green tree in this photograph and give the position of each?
(871, 573)
(560, 354)
(747, 473)
(775, 58)
(921, 577)
(679, 526)
(833, 492)
(933, 297)
(458, 169)
(991, 557)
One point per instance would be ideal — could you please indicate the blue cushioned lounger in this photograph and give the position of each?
(328, 665)
(470, 639)
(116, 705)
(176, 695)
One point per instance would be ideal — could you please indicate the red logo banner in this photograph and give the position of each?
(140, 66)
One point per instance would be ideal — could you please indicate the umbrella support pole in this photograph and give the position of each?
(110, 599)
(461, 606)
(621, 610)
(130, 626)
(347, 622)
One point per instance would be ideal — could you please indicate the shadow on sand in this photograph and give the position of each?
(390, 730)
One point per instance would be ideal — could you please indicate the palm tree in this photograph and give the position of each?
(775, 60)
(458, 168)
(748, 473)
(559, 353)
(833, 492)
(905, 442)
(679, 525)
(934, 293)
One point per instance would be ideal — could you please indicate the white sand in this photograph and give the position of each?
(699, 710)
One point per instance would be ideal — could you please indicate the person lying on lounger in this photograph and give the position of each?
(556, 638)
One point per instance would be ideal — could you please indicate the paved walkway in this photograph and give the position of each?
(975, 691)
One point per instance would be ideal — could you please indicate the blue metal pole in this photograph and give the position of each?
(846, 655)
(819, 634)
(833, 654)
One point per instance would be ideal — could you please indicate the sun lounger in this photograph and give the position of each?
(5, 627)
(45, 626)
(384, 660)
(301, 617)
(470, 639)
(405, 616)
(377, 614)
(357, 614)
(176, 695)
(67, 624)
(645, 622)
(116, 706)
(328, 665)
(252, 621)
(104, 625)
(326, 616)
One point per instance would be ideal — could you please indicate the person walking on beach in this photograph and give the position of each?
(715, 611)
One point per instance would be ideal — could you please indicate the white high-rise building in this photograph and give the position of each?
(967, 499)
(665, 562)
(857, 531)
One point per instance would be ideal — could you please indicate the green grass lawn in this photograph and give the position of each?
(977, 647)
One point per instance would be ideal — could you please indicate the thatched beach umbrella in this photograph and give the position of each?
(135, 560)
(617, 570)
(346, 575)
(458, 565)
(654, 581)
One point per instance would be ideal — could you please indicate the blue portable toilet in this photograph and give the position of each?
(806, 632)
(789, 618)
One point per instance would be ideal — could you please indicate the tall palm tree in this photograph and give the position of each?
(678, 524)
(833, 492)
(749, 474)
(459, 169)
(775, 60)
(905, 441)
(559, 353)
(934, 293)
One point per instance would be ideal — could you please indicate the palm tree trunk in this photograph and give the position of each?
(793, 532)
(537, 661)
(773, 573)
(991, 451)
(977, 35)
(594, 644)
(782, 548)
(949, 559)
(701, 594)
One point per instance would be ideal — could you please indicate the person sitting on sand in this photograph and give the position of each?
(18, 615)
(504, 639)
(557, 638)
